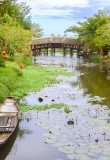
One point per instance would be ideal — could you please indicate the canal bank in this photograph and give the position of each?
(47, 133)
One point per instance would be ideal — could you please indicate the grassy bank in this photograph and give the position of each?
(19, 82)
(8, 78)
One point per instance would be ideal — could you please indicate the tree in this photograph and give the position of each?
(36, 30)
(23, 17)
(14, 39)
(92, 31)
(16, 29)
(17, 11)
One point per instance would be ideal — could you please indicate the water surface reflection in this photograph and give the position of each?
(94, 82)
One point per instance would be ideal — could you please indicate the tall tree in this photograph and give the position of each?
(18, 11)
(16, 28)
(91, 30)
(36, 30)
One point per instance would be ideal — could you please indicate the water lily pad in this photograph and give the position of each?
(71, 156)
(58, 144)
(91, 154)
(50, 141)
(104, 158)
(80, 150)
(62, 149)
(107, 153)
(78, 157)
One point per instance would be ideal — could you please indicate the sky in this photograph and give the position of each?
(55, 16)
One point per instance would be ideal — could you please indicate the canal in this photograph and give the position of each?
(46, 135)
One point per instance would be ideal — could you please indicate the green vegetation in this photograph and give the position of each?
(35, 78)
(17, 82)
(16, 28)
(94, 58)
(94, 32)
(25, 107)
(8, 77)
(95, 117)
(16, 31)
(66, 109)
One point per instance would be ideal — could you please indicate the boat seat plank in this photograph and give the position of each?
(3, 122)
(7, 126)
(9, 112)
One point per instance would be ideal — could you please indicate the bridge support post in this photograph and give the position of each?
(46, 51)
(35, 52)
(71, 52)
(39, 52)
(52, 51)
(64, 52)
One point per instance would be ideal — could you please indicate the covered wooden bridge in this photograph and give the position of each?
(50, 44)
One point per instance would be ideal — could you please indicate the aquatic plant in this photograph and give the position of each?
(66, 109)
(94, 117)
(26, 107)
(35, 78)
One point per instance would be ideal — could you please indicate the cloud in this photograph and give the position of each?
(49, 13)
(65, 8)
(54, 7)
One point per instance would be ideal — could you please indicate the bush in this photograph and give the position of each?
(2, 61)
(94, 58)
(18, 71)
(24, 59)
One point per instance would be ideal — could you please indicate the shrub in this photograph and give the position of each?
(94, 58)
(2, 61)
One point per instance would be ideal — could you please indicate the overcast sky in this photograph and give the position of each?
(55, 16)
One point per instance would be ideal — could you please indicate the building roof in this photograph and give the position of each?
(54, 40)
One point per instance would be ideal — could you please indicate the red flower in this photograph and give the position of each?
(5, 56)
(21, 66)
(3, 52)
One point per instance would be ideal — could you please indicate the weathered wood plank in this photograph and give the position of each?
(7, 126)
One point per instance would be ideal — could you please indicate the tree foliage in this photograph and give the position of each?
(16, 28)
(14, 38)
(94, 31)
(18, 12)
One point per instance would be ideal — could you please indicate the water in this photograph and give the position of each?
(32, 139)
(95, 82)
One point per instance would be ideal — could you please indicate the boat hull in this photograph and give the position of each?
(9, 111)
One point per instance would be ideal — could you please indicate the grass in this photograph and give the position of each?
(34, 79)
(8, 77)
(18, 82)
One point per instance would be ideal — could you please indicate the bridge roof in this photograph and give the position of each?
(57, 40)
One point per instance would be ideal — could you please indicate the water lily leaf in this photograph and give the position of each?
(104, 158)
(80, 150)
(62, 149)
(50, 141)
(107, 153)
(71, 156)
(91, 154)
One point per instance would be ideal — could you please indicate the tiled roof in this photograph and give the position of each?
(64, 40)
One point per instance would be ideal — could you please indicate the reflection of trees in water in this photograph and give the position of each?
(22, 132)
(95, 83)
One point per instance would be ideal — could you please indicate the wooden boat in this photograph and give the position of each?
(9, 111)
